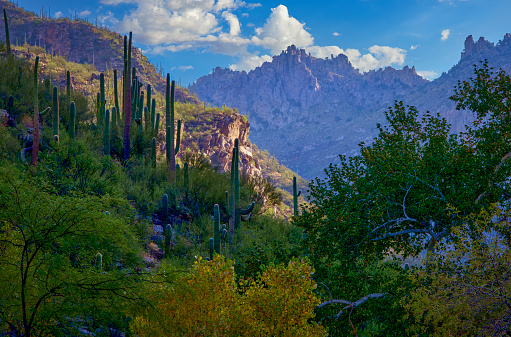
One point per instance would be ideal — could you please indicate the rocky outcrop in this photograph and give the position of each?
(217, 142)
(306, 110)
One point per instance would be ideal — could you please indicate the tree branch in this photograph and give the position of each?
(348, 303)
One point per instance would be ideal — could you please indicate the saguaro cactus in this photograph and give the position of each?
(236, 213)
(153, 152)
(102, 101)
(165, 211)
(7, 37)
(295, 197)
(35, 145)
(55, 113)
(169, 123)
(127, 102)
(216, 228)
(168, 236)
(72, 117)
(106, 135)
(68, 84)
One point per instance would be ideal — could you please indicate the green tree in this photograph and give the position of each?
(395, 197)
(65, 263)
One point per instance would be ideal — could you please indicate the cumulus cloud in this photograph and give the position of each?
(84, 13)
(414, 47)
(248, 62)
(182, 68)
(176, 25)
(280, 31)
(378, 56)
(445, 34)
(427, 74)
(234, 23)
(58, 15)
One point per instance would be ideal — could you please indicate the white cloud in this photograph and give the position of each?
(84, 13)
(58, 15)
(248, 62)
(176, 25)
(378, 56)
(427, 74)
(280, 31)
(182, 68)
(234, 23)
(414, 47)
(445, 34)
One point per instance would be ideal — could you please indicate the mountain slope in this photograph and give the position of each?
(306, 110)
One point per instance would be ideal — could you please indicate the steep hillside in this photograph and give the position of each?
(306, 110)
(82, 48)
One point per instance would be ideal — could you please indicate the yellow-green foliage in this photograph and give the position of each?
(466, 292)
(208, 301)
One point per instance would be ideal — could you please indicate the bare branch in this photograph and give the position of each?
(401, 232)
(349, 304)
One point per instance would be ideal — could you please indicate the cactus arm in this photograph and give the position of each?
(248, 210)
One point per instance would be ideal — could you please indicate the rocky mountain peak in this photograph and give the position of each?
(473, 48)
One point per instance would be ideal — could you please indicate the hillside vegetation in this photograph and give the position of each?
(111, 226)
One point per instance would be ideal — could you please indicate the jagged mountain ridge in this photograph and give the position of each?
(306, 110)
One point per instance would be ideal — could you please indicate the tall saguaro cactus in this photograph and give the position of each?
(72, 117)
(55, 113)
(68, 84)
(295, 197)
(170, 127)
(106, 135)
(7, 37)
(35, 145)
(216, 228)
(236, 212)
(127, 101)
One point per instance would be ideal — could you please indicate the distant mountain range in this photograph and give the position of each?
(306, 111)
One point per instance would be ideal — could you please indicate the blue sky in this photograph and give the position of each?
(191, 37)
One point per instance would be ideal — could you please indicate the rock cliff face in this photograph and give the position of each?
(306, 110)
(217, 142)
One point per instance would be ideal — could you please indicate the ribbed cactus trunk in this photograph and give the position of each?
(153, 118)
(216, 228)
(35, 145)
(127, 102)
(116, 96)
(72, 118)
(153, 153)
(295, 197)
(7, 37)
(55, 113)
(102, 101)
(232, 201)
(106, 136)
(147, 117)
(171, 155)
(68, 84)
